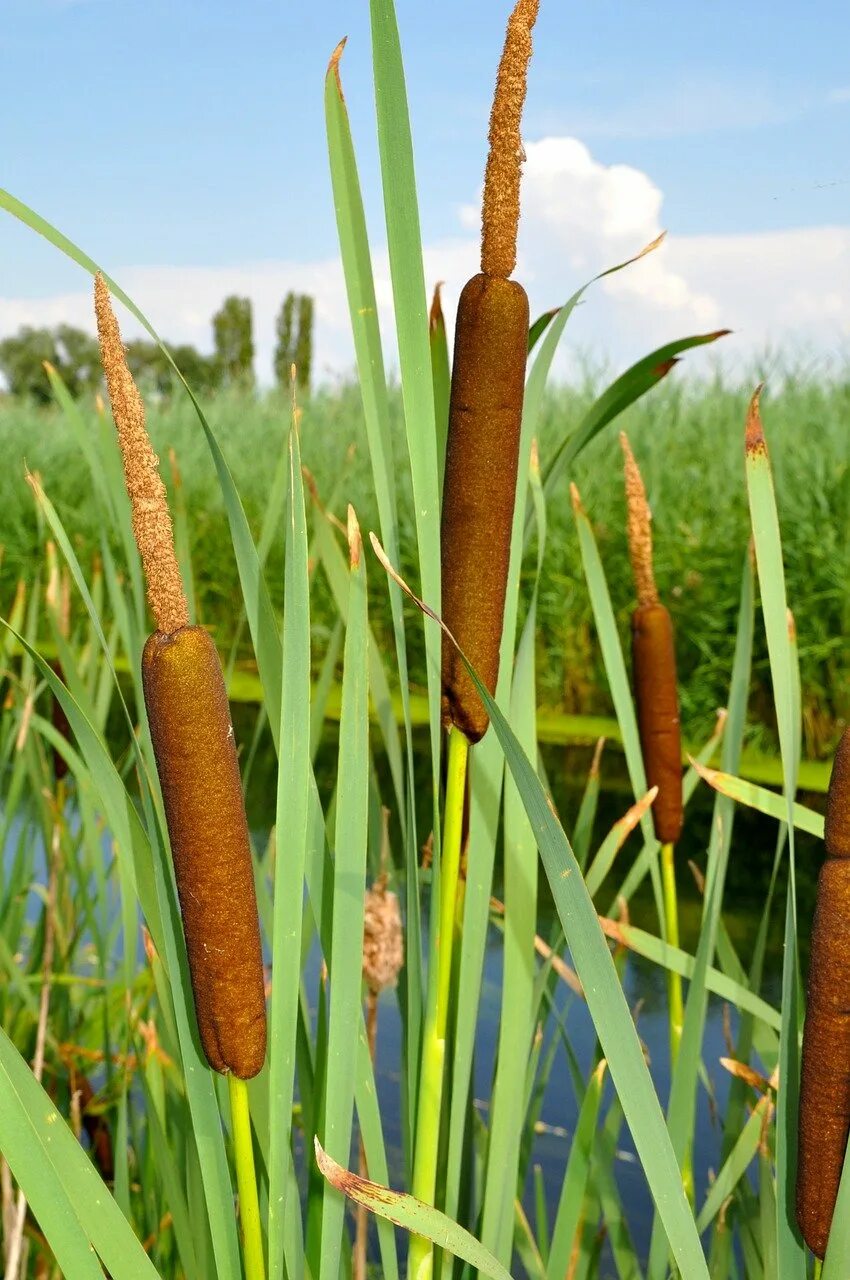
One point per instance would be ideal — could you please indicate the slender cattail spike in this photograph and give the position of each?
(639, 528)
(482, 452)
(500, 218)
(654, 665)
(195, 752)
(825, 1078)
(151, 519)
(199, 773)
(656, 695)
(485, 411)
(837, 825)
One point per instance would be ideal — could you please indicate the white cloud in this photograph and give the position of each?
(840, 95)
(579, 217)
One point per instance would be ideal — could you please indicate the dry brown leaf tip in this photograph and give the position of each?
(151, 518)
(435, 315)
(638, 528)
(754, 440)
(500, 218)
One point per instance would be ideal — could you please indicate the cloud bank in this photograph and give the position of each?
(785, 289)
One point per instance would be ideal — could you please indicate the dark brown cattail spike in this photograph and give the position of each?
(196, 758)
(837, 826)
(482, 452)
(485, 410)
(654, 667)
(654, 663)
(825, 1077)
(199, 774)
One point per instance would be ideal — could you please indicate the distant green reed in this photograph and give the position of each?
(699, 514)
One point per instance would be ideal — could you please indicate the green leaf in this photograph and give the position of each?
(65, 1190)
(346, 958)
(411, 1214)
(762, 800)
(291, 833)
(785, 681)
(628, 388)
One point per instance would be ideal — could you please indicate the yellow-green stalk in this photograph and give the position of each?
(824, 1121)
(196, 761)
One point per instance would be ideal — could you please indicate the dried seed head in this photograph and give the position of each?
(151, 519)
(383, 950)
(639, 528)
(500, 219)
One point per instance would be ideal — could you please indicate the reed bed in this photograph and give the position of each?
(147, 935)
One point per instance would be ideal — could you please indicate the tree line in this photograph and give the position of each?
(75, 355)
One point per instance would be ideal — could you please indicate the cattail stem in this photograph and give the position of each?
(674, 983)
(246, 1180)
(421, 1257)
(671, 922)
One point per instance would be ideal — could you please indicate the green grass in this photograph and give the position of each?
(699, 516)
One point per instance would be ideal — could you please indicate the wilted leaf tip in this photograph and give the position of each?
(435, 316)
(754, 441)
(333, 65)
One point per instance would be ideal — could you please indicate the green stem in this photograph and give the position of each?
(671, 921)
(674, 981)
(246, 1180)
(421, 1257)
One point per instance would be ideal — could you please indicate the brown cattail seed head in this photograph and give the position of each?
(196, 760)
(825, 1078)
(485, 418)
(654, 663)
(383, 948)
(151, 519)
(837, 826)
(638, 528)
(500, 217)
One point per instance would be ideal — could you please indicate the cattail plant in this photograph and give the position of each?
(825, 1080)
(479, 490)
(654, 669)
(196, 761)
(485, 410)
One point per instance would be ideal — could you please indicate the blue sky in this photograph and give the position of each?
(191, 135)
